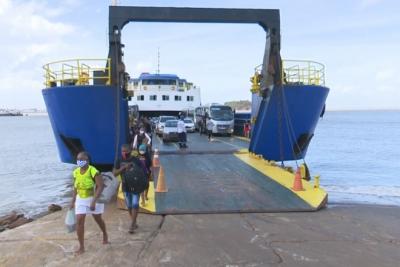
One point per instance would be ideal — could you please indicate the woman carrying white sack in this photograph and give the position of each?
(86, 179)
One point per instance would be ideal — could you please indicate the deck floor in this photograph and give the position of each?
(208, 178)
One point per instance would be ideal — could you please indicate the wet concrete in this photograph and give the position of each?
(336, 236)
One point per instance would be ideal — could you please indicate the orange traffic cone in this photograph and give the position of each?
(297, 185)
(161, 185)
(156, 160)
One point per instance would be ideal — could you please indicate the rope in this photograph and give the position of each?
(280, 123)
(291, 134)
(117, 105)
(291, 128)
(279, 107)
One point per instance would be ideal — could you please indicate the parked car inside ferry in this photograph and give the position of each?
(170, 131)
(161, 124)
(189, 125)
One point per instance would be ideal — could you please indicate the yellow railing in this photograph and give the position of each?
(78, 72)
(298, 72)
(303, 72)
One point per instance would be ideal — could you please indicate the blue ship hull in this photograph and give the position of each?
(286, 122)
(85, 118)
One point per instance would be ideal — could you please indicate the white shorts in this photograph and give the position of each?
(82, 206)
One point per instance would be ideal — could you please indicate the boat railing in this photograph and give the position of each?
(77, 72)
(295, 72)
(303, 72)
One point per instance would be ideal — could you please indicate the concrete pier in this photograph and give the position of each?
(337, 236)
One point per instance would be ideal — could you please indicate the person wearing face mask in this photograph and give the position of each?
(88, 185)
(133, 182)
(139, 138)
(146, 169)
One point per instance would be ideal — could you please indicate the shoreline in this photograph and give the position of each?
(329, 206)
(345, 235)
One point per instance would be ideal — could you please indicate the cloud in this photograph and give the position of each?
(31, 32)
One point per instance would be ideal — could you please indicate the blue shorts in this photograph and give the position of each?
(132, 200)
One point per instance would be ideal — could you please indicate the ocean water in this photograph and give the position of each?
(357, 154)
(31, 175)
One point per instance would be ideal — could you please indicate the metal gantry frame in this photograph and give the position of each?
(268, 19)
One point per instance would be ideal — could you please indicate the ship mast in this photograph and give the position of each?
(158, 60)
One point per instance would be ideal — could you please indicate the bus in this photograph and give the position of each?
(220, 115)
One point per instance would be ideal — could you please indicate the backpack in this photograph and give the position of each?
(134, 180)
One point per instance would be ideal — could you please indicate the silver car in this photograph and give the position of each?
(161, 123)
(170, 131)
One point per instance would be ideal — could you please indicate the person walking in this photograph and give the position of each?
(210, 126)
(146, 169)
(246, 130)
(133, 182)
(140, 137)
(182, 133)
(88, 185)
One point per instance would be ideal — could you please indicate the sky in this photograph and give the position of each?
(358, 41)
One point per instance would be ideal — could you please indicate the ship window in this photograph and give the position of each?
(189, 98)
(140, 97)
(178, 98)
(158, 82)
(165, 97)
(153, 97)
(180, 84)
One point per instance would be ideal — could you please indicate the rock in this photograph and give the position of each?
(7, 219)
(2, 228)
(20, 221)
(54, 208)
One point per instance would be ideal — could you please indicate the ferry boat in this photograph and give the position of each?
(87, 102)
(89, 97)
(163, 94)
(8, 113)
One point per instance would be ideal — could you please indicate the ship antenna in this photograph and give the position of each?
(158, 61)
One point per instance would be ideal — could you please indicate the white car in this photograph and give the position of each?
(170, 131)
(161, 123)
(189, 125)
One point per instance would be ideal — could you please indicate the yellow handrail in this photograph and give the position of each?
(77, 72)
(296, 72)
(305, 72)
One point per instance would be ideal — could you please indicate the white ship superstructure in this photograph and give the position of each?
(163, 93)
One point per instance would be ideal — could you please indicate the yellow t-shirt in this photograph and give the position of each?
(84, 183)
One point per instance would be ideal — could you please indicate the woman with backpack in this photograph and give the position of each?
(134, 182)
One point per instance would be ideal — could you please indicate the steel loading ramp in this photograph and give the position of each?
(223, 181)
